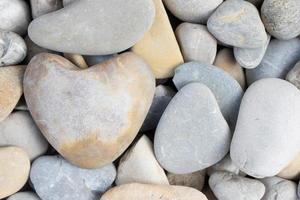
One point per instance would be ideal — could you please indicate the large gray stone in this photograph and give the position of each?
(294, 75)
(24, 196)
(42, 7)
(192, 134)
(266, 138)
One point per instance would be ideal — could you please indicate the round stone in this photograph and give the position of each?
(24, 196)
(294, 75)
(195, 180)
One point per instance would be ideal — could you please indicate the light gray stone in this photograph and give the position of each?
(54, 178)
(225, 88)
(294, 75)
(225, 164)
(266, 138)
(192, 134)
(93, 27)
(94, 60)
(281, 18)
(42, 7)
(279, 59)
(238, 23)
(24, 196)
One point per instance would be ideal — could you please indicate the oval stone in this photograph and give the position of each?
(24, 196)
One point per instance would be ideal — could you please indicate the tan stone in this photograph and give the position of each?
(77, 60)
(195, 180)
(159, 46)
(10, 88)
(292, 171)
(14, 170)
(136, 191)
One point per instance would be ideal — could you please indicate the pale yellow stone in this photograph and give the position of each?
(292, 171)
(159, 46)
(76, 59)
(195, 180)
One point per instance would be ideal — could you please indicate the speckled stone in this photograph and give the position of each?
(294, 75)
(24, 196)
(42, 7)
(195, 180)
(226, 165)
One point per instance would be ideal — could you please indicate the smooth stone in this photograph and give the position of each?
(294, 75)
(281, 18)
(226, 61)
(162, 97)
(12, 48)
(159, 46)
(106, 105)
(258, 136)
(279, 189)
(194, 180)
(194, 11)
(109, 27)
(279, 59)
(54, 178)
(192, 134)
(196, 43)
(93, 60)
(226, 89)
(251, 58)
(237, 23)
(292, 171)
(14, 16)
(226, 165)
(24, 196)
(14, 170)
(136, 191)
(11, 88)
(228, 186)
(42, 7)
(77, 60)
(19, 129)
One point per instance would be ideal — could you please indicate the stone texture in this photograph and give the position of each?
(106, 105)
(118, 26)
(273, 129)
(77, 60)
(237, 23)
(196, 43)
(42, 7)
(294, 75)
(281, 18)
(152, 192)
(192, 134)
(225, 88)
(159, 46)
(139, 165)
(24, 196)
(14, 170)
(93, 60)
(279, 59)
(194, 180)
(54, 178)
(226, 165)
(292, 171)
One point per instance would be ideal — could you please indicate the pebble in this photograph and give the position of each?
(77, 60)
(19, 129)
(194, 180)
(14, 16)
(226, 61)
(194, 11)
(127, 23)
(279, 59)
(292, 171)
(279, 189)
(196, 43)
(152, 192)
(42, 7)
(139, 165)
(14, 170)
(237, 23)
(11, 88)
(228, 186)
(225, 88)
(12, 48)
(159, 46)
(54, 178)
(281, 18)
(264, 133)
(294, 75)
(94, 60)
(106, 105)
(226, 165)
(24, 196)
(192, 134)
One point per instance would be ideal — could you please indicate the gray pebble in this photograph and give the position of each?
(42, 7)
(225, 164)
(24, 196)
(94, 60)
(294, 75)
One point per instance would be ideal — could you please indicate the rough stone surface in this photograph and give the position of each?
(106, 105)
(237, 23)
(54, 178)
(24, 196)
(42, 7)
(195, 180)
(196, 43)
(224, 165)
(294, 75)
(118, 26)
(273, 129)
(292, 171)
(192, 134)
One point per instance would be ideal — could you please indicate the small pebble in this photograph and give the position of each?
(42, 7)
(194, 180)
(77, 60)
(226, 165)
(24, 196)
(292, 171)
(294, 75)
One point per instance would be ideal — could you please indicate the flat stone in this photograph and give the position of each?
(24, 196)
(11, 88)
(14, 170)
(152, 192)
(226, 89)
(258, 136)
(194, 11)
(279, 59)
(159, 46)
(77, 60)
(292, 171)
(194, 180)
(54, 178)
(226, 165)
(105, 104)
(237, 23)
(139, 165)
(127, 23)
(228, 186)
(196, 43)
(281, 18)
(294, 75)
(93, 60)
(192, 134)
(42, 7)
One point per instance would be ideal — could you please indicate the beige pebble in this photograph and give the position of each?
(77, 60)
(292, 171)
(195, 180)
